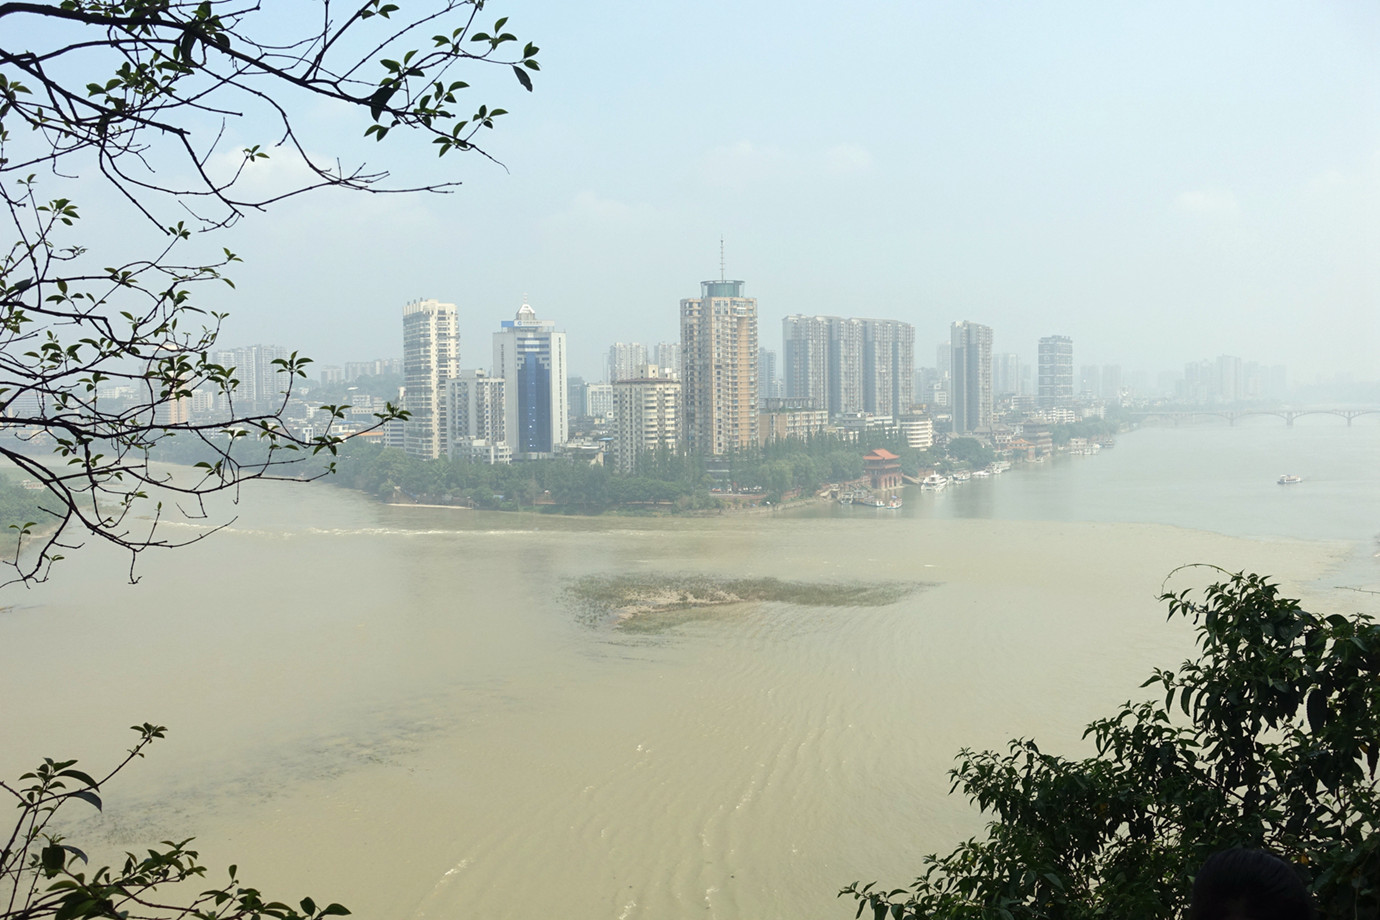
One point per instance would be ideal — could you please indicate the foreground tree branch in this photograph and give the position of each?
(141, 94)
(43, 875)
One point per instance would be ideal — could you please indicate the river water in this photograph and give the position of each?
(404, 709)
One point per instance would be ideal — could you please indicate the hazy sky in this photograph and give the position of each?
(1164, 182)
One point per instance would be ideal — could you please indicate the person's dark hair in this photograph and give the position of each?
(1249, 885)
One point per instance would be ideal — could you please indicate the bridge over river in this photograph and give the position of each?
(1180, 416)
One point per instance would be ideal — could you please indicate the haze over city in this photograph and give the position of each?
(788, 407)
(1161, 184)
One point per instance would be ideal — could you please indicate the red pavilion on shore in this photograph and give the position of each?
(883, 469)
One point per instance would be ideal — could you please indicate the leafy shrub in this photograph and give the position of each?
(1268, 739)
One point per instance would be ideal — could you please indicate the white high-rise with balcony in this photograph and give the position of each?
(431, 358)
(646, 417)
(476, 406)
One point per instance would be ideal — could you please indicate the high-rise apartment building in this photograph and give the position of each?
(849, 366)
(626, 360)
(529, 354)
(646, 417)
(477, 418)
(1055, 386)
(805, 359)
(845, 366)
(971, 386)
(431, 358)
(718, 336)
(888, 381)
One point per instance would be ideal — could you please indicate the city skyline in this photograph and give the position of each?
(1035, 170)
(1161, 383)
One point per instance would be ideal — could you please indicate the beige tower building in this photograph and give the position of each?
(431, 359)
(646, 416)
(718, 337)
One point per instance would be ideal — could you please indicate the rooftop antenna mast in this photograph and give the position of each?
(721, 258)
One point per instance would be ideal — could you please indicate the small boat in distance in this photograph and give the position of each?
(1289, 479)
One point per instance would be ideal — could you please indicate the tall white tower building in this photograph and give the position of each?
(529, 354)
(431, 358)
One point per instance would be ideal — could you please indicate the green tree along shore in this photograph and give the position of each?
(666, 482)
(19, 507)
(663, 483)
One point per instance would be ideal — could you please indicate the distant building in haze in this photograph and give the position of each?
(379, 367)
(431, 358)
(575, 397)
(768, 383)
(718, 337)
(529, 354)
(971, 386)
(667, 355)
(1110, 382)
(847, 366)
(1055, 387)
(626, 359)
(262, 383)
(1006, 374)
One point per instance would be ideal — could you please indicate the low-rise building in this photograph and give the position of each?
(799, 424)
(918, 430)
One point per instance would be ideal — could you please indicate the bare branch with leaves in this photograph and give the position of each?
(143, 94)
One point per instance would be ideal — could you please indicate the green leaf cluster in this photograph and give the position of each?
(45, 877)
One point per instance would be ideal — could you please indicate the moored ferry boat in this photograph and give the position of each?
(933, 483)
